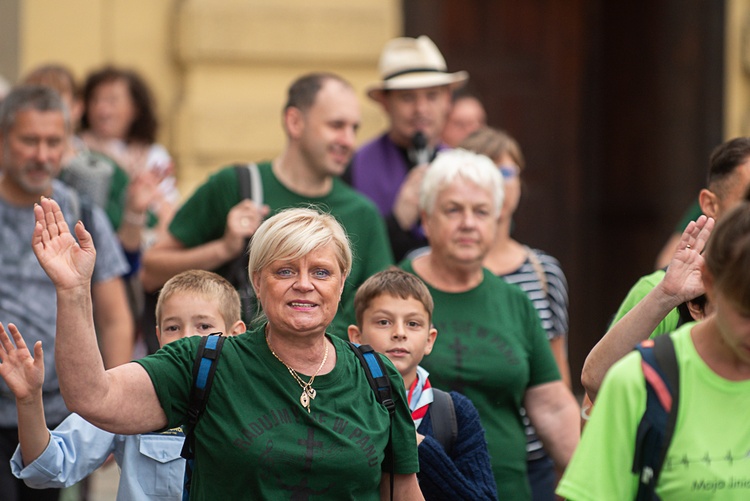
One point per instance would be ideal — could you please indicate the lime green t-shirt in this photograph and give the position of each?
(255, 440)
(642, 287)
(709, 456)
(202, 219)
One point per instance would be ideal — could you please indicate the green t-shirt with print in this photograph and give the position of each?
(491, 347)
(203, 217)
(255, 440)
(642, 287)
(708, 457)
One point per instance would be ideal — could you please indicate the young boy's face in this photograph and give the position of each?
(186, 314)
(398, 328)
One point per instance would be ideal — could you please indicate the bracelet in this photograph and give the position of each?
(134, 218)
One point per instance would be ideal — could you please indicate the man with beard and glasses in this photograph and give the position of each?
(34, 126)
(210, 230)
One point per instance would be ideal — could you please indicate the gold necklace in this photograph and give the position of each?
(308, 392)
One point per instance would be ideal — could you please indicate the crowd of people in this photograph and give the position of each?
(405, 245)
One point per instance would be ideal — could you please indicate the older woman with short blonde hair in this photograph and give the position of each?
(290, 414)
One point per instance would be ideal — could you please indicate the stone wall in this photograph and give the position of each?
(737, 69)
(219, 69)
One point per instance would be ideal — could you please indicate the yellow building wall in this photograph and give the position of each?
(737, 69)
(219, 69)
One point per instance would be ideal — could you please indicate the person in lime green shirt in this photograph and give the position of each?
(707, 457)
(654, 299)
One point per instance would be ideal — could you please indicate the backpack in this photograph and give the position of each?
(204, 368)
(381, 385)
(660, 369)
(235, 271)
(443, 416)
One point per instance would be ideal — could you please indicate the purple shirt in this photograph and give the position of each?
(378, 169)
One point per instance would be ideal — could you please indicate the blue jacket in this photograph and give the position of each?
(464, 475)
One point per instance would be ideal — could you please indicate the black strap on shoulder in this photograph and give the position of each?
(667, 360)
(661, 372)
(376, 374)
(443, 417)
(381, 386)
(235, 271)
(204, 368)
(243, 180)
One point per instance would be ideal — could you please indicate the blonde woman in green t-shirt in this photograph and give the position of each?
(290, 415)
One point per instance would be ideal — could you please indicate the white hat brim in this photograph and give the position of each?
(420, 80)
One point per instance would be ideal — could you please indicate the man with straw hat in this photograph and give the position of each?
(415, 92)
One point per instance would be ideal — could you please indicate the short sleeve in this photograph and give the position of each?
(202, 218)
(641, 288)
(542, 365)
(170, 370)
(602, 462)
(557, 294)
(404, 436)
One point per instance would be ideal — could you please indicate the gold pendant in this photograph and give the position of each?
(305, 400)
(311, 392)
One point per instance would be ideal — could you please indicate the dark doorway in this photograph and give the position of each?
(616, 105)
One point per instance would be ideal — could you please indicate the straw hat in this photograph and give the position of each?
(413, 63)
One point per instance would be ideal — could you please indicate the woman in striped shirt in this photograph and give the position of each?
(538, 274)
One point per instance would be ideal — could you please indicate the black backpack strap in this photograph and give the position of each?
(661, 372)
(667, 360)
(381, 386)
(243, 180)
(250, 187)
(376, 374)
(249, 182)
(443, 416)
(204, 368)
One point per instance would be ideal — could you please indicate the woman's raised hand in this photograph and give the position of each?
(68, 264)
(683, 278)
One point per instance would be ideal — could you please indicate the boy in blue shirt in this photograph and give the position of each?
(192, 303)
(393, 309)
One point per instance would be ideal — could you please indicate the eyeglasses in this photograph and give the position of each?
(508, 171)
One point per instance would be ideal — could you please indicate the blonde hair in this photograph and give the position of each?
(206, 284)
(472, 167)
(293, 233)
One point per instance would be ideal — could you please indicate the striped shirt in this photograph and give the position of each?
(552, 306)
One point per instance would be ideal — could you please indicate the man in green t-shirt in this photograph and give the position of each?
(650, 307)
(320, 120)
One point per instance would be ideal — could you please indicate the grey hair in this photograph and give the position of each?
(449, 165)
(30, 97)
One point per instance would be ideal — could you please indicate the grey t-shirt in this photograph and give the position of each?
(27, 296)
